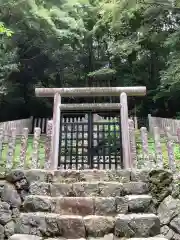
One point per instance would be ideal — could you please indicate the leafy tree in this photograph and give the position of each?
(69, 43)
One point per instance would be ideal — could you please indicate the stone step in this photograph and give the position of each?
(70, 176)
(106, 237)
(109, 206)
(74, 227)
(137, 225)
(91, 175)
(85, 189)
(151, 238)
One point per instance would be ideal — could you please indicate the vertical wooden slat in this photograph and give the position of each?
(145, 147)
(158, 149)
(56, 131)
(132, 144)
(1, 142)
(24, 145)
(48, 145)
(11, 148)
(35, 153)
(125, 131)
(178, 135)
(43, 130)
(170, 148)
(135, 123)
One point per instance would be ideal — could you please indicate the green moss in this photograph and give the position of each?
(160, 181)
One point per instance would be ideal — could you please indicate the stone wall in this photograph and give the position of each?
(164, 188)
(14, 186)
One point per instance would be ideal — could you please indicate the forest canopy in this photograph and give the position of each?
(78, 43)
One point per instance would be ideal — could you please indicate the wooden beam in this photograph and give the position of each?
(91, 106)
(90, 91)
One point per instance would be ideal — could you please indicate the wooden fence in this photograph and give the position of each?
(35, 152)
(149, 122)
(163, 123)
(18, 124)
(34, 122)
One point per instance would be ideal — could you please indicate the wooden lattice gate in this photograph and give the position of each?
(89, 143)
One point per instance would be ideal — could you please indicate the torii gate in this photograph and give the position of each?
(123, 92)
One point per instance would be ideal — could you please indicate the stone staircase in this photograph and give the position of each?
(88, 204)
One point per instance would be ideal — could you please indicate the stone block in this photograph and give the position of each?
(72, 227)
(135, 188)
(121, 176)
(168, 209)
(61, 189)
(66, 176)
(137, 225)
(86, 189)
(168, 233)
(160, 184)
(105, 206)
(51, 224)
(41, 175)
(15, 175)
(95, 175)
(140, 175)
(24, 237)
(36, 203)
(105, 237)
(121, 205)
(9, 194)
(110, 189)
(138, 203)
(175, 224)
(5, 213)
(9, 229)
(74, 206)
(98, 226)
(40, 188)
(151, 238)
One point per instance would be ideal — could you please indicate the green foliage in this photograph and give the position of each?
(70, 43)
(102, 72)
(5, 31)
(8, 58)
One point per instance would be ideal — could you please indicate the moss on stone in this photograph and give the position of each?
(160, 181)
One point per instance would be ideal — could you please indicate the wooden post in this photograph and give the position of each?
(132, 144)
(170, 148)
(35, 154)
(136, 123)
(147, 156)
(158, 149)
(1, 142)
(55, 131)
(11, 149)
(150, 122)
(24, 145)
(125, 131)
(48, 150)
